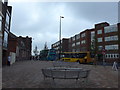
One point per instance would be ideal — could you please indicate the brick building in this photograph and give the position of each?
(108, 41)
(64, 45)
(12, 44)
(81, 41)
(102, 40)
(19, 47)
(5, 20)
(24, 47)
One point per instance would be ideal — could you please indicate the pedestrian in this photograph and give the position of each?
(9, 60)
(115, 66)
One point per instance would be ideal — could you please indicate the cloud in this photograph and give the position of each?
(95, 11)
(41, 20)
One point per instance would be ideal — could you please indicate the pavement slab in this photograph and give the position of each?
(27, 74)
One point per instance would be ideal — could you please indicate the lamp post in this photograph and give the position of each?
(60, 37)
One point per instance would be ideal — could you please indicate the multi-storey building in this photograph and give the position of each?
(1, 16)
(19, 48)
(108, 42)
(81, 41)
(5, 11)
(99, 39)
(64, 45)
(102, 40)
(12, 44)
(24, 47)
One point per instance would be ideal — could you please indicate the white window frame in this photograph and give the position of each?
(99, 39)
(112, 47)
(77, 43)
(78, 36)
(83, 35)
(100, 47)
(111, 38)
(83, 41)
(73, 38)
(73, 44)
(112, 28)
(99, 31)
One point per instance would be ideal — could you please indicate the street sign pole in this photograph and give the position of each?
(103, 52)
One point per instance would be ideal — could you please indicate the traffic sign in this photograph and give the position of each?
(103, 51)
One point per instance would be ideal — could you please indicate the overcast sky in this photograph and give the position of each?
(40, 20)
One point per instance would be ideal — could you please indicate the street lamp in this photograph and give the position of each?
(60, 37)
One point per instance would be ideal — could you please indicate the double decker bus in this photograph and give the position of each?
(81, 57)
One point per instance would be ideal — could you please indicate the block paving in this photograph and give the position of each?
(27, 74)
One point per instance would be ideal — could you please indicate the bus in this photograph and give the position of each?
(51, 55)
(43, 54)
(81, 57)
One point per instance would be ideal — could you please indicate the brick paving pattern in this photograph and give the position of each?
(27, 74)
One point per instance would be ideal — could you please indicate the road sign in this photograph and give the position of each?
(103, 51)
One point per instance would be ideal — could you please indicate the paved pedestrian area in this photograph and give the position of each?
(27, 74)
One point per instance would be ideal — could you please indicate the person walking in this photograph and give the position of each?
(115, 66)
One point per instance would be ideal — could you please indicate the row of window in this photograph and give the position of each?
(77, 37)
(112, 28)
(112, 56)
(111, 38)
(79, 49)
(56, 44)
(111, 47)
(78, 43)
(108, 29)
(56, 48)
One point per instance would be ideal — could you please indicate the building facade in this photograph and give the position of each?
(81, 42)
(102, 40)
(108, 46)
(6, 21)
(64, 45)
(12, 44)
(24, 47)
(1, 35)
